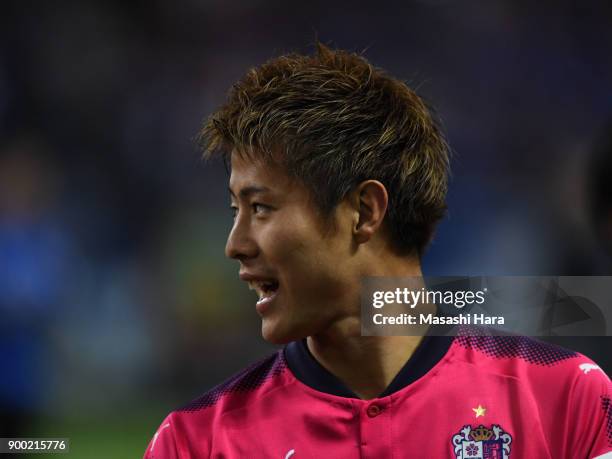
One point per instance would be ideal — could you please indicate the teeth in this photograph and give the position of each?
(260, 288)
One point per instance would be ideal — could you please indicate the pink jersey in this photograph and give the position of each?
(469, 397)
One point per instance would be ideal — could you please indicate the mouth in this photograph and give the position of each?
(266, 290)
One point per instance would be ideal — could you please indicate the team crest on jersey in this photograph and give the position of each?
(482, 443)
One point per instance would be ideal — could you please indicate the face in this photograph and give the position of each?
(304, 276)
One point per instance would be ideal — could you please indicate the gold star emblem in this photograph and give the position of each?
(480, 411)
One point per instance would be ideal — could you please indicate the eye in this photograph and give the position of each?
(259, 208)
(234, 210)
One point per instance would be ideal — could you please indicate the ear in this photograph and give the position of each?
(369, 201)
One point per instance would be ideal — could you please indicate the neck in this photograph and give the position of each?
(365, 364)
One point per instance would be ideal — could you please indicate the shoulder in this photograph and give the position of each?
(521, 350)
(189, 431)
(537, 365)
(251, 382)
(566, 393)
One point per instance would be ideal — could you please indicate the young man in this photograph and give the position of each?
(338, 172)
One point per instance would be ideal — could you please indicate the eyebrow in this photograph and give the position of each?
(250, 190)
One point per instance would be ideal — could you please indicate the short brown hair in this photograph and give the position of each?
(334, 121)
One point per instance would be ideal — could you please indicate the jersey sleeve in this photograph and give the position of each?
(590, 434)
(163, 443)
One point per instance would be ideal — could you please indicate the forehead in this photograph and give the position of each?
(254, 172)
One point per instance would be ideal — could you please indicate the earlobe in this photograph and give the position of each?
(371, 205)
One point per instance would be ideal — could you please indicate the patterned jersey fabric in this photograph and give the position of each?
(468, 397)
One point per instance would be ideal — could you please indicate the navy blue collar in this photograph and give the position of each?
(310, 372)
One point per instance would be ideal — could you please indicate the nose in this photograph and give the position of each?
(240, 244)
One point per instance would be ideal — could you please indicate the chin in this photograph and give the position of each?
(275, 334)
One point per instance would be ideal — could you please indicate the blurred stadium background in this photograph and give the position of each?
(116, 302)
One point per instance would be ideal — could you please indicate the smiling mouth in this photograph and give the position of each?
(266, 290)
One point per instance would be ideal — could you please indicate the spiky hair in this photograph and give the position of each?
(333, 120)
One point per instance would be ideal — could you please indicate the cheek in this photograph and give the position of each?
(287, 239)
(313, 269)
(309, 262)
(283, 247)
